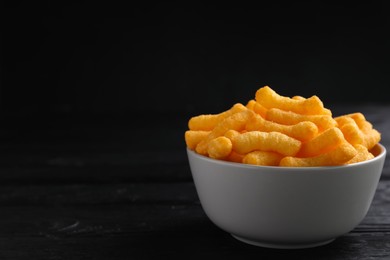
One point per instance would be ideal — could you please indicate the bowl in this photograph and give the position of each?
(286, 207)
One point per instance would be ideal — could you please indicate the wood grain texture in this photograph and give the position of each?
(129, 220)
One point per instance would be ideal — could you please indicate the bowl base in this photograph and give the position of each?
(282, 246)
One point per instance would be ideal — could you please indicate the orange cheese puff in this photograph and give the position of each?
(219, 148)
(343, 120)
(350, 129)
(322, 143)
(257, 108)
(298, 97)
(235, 157)
(192, 138)
(250, 104)
(262, 158)
(302, 131)
(208, 122)
(266, 141)
(352, 134)
(357, 130)
(362, 155)
(277, 115)
(358, 117)
(371, 135)
(231, 134)
(326, 110)
(268, 98)
(365, 126)
(371, 138)
(236, 121)
(338, 156)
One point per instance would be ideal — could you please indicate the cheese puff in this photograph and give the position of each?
(266, 141)
(235, 157)
(250, 104)
(237, 122)
(277, 115)
(262, 158)
(231, 134)
(208, 122)
(351, 130)
(352, 134)
(192, 137)
(362, 155)
(219, 148)
(371, 138)
(338, 156)
(357, 130)
(298, 97)
(268, 98)
(322, 143)
(371, 135)
(358, 117)
(257, 108)
(343, 120)
(302, 131)
(325, 112)
(365, 126)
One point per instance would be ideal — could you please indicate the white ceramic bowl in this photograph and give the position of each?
(283, 207)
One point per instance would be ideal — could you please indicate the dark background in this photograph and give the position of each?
(95, 60)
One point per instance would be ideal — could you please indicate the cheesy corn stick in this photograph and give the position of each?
(219, 148)
(343, 120)
(297, 97)
(322, 143)
(231, 134)
(257, 108)
(268, 98)
(358, 130)
(250, 104)
(371, 138)
(208, 122)
(365, 126)
(265, 141)
(277, 115)
(302, 131)
(350, 129)
(362, 155)
(237, 122)
(352, 134)
(358, 117)
(262, 158)
(338, 156)
(192, 137)
(235, 157)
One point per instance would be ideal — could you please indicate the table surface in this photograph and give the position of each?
(121, 188)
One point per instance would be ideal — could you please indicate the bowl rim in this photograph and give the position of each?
(381, 153)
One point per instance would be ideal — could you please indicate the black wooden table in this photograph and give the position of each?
(121, 188)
